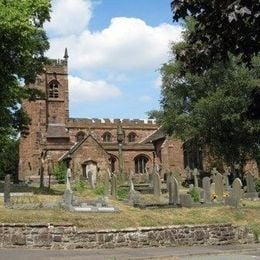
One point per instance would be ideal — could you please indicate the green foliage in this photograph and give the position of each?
(219, 24)
(79, 186)
(257, 185)
(194, 192)
(59, 172)
(122, 193)
(23, 43)
(99, 190)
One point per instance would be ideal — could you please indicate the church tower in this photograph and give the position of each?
(49, 116)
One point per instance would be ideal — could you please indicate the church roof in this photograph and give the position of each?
(57, 131)
(160, 133)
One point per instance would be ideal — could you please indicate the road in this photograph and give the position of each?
(229, 252)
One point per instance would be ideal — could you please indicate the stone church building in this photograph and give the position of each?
(89, 143)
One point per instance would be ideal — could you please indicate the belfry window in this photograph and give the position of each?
(131, 137)
(53, 90)
(107, 137)
(140, 163)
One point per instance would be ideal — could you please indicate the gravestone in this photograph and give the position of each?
(251, 189)
(226, 180)
(186, 200)
(212, 188)
(206, 189)
(68, 176)
(195, 174)
(106, 182)
(214, 172)
(156, 185)
(177, 176)
(91, 179)
(113, 185)
(219, 186)
(236, 193)
(7, 190)
(188, 173)
(173, 188)
(68, 198)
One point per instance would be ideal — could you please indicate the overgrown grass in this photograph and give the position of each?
(128, 216)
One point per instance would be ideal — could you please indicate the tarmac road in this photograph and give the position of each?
(228, 252)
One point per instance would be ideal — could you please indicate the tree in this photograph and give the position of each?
(22, 47)
(222, 27)
(213, 108)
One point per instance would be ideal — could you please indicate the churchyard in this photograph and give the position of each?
(123, 201)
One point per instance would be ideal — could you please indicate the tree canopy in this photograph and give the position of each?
(222, 27)
(215, 107)
(22, 46)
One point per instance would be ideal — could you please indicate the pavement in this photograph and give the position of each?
(226, 252)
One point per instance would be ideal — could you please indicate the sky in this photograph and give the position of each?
(116, 49)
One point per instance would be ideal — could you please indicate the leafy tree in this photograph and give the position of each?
(222, 27)
(59, 172)
(213, 108)
(22, 47)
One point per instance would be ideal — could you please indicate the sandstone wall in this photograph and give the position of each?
(67, 236)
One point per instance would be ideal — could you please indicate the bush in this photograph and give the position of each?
(122, 193)
(59, 172)
(99, 190)
(195, 194)
(79, 186)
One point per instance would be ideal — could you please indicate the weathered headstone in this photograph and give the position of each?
(156, 185)
(7, 190)
(173, 188)
(68, 176)
(226, 180)
(186, 200)
(206, 189)
(113, 185)
(212, 188)
(236, 193)
(214, 172)
(91, 180)
(195, 174)
(68, 197)
(251, 189)
(188, 173)
(219, 186)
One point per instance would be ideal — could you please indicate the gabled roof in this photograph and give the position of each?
(76, 146)
(160, 133)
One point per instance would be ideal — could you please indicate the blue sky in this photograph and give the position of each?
(116, 48)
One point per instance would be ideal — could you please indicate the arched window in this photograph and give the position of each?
(140, 163)
(53, 89)
(107, 137)
(80, 136)
(113, 161)
(131, 137)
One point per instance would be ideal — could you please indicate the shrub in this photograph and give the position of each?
(59, 172)
(122, 193)
(195, 194)
(99, 190)
(79, 186)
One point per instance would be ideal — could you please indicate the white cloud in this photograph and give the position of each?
(158, 82)
(69, 17)
(127, 44)
(91, 91)
(145, 99)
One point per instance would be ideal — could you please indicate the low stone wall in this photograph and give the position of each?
(67, 236)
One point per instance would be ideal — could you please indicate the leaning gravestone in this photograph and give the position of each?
(219, 186)
(206, 189)
(113, 185)
(251, 189)
(156, 185)
(173, 188)
(7, 190)
(236, 193)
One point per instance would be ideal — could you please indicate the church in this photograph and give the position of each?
(90, 143)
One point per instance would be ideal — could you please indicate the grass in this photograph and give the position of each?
(128, 216)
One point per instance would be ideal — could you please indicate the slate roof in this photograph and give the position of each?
(156, 135)
(57, 131)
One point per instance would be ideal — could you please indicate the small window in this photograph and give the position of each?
(140, 164)
(131, 137)
(80, 136)
(53, 91)
(107, 137)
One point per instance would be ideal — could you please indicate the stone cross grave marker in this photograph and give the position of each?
(173, 188)
(156, 185)
(214, 172)
(226, 180)
(219, 186)
(206, 189)
(250, 183)
(236, 193)
(195, 174)
(113, 185)
(68, 176)
(188, 173)
(7, 190)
